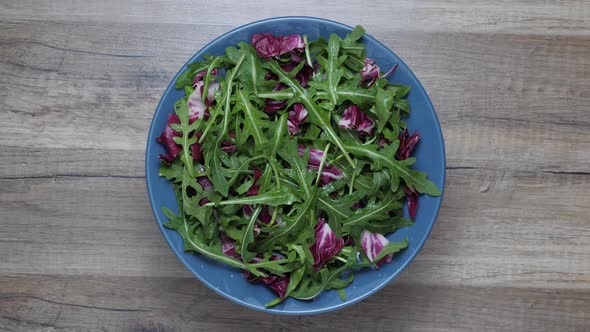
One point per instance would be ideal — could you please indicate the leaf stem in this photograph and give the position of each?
(307, 54)
(208, 78)
(352, 179)
(322, 162)
(341, 259)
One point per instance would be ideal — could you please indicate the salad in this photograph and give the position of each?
(290, 161)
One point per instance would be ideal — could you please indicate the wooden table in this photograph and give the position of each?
(79, 248)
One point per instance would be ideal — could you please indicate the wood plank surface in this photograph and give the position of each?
(79, 248)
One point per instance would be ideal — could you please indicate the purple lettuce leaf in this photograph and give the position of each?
(272, 106)
(371, 71)
(329, 173)
(228, 247)
(291, 43)
(167, 140)
(276, 283)
(355, 119)
(412, 197)
(200, 75)
(296, 117)
(205, 182)
(303, 75)
(372, 244)
(229, 146)
(268, 45)
(197, 107)
(326, 244)
(407, 143)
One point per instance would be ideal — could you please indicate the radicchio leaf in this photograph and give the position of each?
(303, 75)
(205, 182)
(406, 144)
(196, 105)
(326, 244)
(206, 185)
(200, 75)
(329, 172)
(357, 205)
(228, 247)
(167, 140)
(296, 117)
(272, 106)
(412, 197)
(229, 146)
(276, 283)
(173, 149)
(268, 45)
(383, 142)
(372, 243)
(355, 119)
(290, 43)
(370, 72)
(348, 241)
(196, 150)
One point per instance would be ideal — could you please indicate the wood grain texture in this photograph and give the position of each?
(78, 244)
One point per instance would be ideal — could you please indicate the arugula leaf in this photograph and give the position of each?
(186, 139)
(318, 116)
(275, 197)
(318, 46)
(362, 217)
(356, 94)
(191, 243)
(305, 260)
(213, 163)
(383, 104)
(250, 74)
(279, 134)
(292, 223)
(350, 42)
(327, 277)
(400, 90)
(254, 121)
(186, 78)
(332, 68)
(385, 158)
(391, 248)
(248, 236)
(173, 172)
(389, 225)
(298, 171)
(338, 210)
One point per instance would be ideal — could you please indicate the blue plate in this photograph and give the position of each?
(430, 154)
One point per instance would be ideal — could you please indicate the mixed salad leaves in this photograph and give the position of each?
(290, 161)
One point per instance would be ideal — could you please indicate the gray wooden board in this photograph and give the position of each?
(79, 246)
